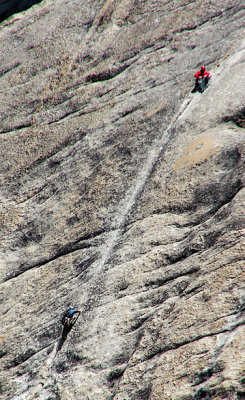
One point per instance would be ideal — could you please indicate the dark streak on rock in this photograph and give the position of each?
(203, 376)
(218, 14)
(238, 118)
(18, 127)
(139, 323)
(214, 393)
(21, 358)
(174, 346)
(8, 69)
(162, 281)
(63, 251)
(106, 75)
(128, 112)
(116, 373)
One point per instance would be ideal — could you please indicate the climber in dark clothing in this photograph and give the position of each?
(67, 317)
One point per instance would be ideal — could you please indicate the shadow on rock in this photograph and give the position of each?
(65, 333)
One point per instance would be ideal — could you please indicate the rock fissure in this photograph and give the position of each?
(175, 346)
(68, 249)
(22, 358)
(162, 281)
(9, 68)
(208, 19)
(17, 128)
(228, 262)
(106, 75)
(148, 287)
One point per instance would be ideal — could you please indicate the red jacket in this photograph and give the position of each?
(202, 74)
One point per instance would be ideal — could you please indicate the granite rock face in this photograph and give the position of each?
(122, 193)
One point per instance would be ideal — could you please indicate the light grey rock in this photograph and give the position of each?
(122, 193)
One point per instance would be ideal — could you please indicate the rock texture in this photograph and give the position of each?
(122, 193)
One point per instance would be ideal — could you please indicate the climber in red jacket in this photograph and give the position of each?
(203, 73)
(202, 78)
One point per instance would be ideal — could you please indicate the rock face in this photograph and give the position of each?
(123, 194)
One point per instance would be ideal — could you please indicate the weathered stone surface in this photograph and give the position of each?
(123, 193)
